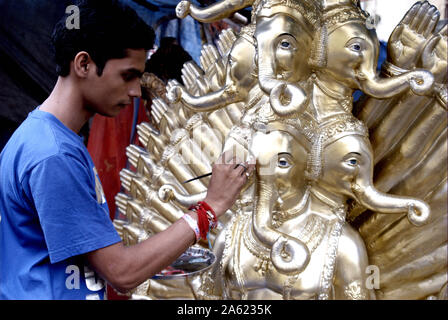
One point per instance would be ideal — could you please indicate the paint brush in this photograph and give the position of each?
(199, 177)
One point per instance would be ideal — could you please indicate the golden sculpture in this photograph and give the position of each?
(348, 201)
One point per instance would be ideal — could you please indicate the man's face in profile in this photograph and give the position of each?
(119, 83)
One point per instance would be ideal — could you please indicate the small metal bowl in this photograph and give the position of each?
(192, 262)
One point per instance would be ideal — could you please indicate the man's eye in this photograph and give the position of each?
(352, 162)
(128, 77)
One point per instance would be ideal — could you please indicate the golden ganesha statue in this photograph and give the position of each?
(348, 200)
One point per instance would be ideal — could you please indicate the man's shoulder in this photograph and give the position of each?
(35, 141)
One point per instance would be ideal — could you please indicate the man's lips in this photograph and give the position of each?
(124, 104)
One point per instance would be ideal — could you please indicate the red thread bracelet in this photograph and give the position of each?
(206, 218)
(213, 220)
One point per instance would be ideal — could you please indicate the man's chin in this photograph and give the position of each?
(112, 112)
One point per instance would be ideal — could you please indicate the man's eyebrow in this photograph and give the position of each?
(134, 71)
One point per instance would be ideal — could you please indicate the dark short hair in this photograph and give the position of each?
(167, 62)
(107, 29)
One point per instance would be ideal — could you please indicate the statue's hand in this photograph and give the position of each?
(211, 63)
(409, 37)
(434, 56)
(215, 76)
(193, 78)
(226, 40)
(183, 9)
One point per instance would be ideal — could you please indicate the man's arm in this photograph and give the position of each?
(126, 267)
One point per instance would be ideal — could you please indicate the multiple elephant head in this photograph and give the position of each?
(345, 160)
(291, 40)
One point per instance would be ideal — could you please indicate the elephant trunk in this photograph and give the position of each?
(208, 102)
(286, 98)
(169, 192)
(418, 212)
(419, 81)
(289, 255)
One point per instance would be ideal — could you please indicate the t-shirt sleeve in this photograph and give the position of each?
(73, 222)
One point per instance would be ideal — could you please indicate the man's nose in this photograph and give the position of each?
(135, 90)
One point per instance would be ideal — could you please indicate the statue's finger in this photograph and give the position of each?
(431, 24)
(133, 154)
(421, 28)
(221, 48)
(230, 39)
(409, 16)
(419, 16)
(156, 114)
(428, 51)
(203, 62)
(187, 78)
(213, 53)
(205, 56)
(396, 34)
(160, 106)
(185, 82)
(195, 71)
(444, 30)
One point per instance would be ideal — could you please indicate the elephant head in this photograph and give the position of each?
(280, 185)
(353, 61)
(284, 31)
(240, 76)
(338, 164)
(346, 171)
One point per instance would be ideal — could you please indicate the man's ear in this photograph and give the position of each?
(82, 63)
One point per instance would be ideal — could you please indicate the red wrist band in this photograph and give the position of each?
(206, 218)
(213, 220)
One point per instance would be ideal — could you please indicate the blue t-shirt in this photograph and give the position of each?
(53, 211)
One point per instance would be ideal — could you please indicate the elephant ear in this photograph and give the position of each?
(176, 146)
(409, 138)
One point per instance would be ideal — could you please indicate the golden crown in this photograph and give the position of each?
(309, 9)
(343, 14)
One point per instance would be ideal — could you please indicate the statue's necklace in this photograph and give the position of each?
(346, 101)
(338, 209)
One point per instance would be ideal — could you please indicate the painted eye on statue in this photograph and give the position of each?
(285, 44)
(356, 44)
(352, 162)
(283, 162)
(355, 47)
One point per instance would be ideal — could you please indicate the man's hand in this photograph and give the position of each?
(228, 177)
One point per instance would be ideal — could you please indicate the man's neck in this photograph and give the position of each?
(66, 104)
